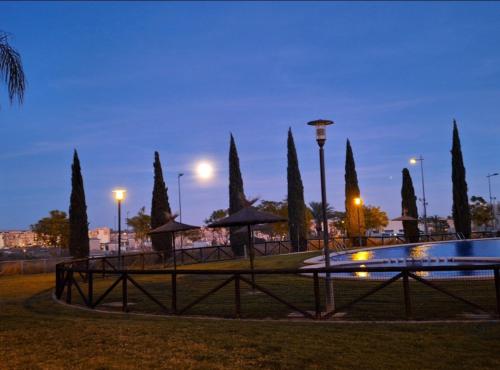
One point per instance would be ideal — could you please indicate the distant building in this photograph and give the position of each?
(101, 233)
(18, 239)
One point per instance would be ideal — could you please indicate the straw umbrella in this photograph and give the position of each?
(248, 216)
(173, 227)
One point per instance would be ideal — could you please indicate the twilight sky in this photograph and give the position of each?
(120, 80)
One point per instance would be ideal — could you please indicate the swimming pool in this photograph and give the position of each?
(486, 251)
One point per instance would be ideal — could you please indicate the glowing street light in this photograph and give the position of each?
(321, 139)
(119, 197)
(358, 202)
(424, 201)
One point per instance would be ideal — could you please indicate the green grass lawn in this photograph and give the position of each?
(37, 333)
(387, 304)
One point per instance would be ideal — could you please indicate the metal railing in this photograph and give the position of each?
(186, 256)
(462, 291)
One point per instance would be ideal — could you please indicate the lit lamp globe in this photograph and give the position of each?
(119, 194)
(358, 201)
(413, 161)
(320, 125)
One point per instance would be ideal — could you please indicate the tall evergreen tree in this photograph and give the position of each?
(297, 226)
(409, 208)
(78, 222)
(160, 209)
(236, 198)
(461, 209)
(354, 214)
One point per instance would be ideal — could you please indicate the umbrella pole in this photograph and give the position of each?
(250, 251)
(173, 250)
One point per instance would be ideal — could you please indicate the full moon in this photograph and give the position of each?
(204, 170)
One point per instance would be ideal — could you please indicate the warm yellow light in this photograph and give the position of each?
(119, 194)
(362, 256)
(413, 161)
(205, 170)
(358, 201)
(361, 274)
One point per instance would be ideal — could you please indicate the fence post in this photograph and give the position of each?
(58, 280)
(90, 295)
(406, 289)
(68, 290)
(124, 292)
(142, 256)
(218, 252)
(237, 296)
(173, 277)
(497, 289)
(103, 267)
(317, 306)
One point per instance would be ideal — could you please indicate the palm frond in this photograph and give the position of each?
(11, 70)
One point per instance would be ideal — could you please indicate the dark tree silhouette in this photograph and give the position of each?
(11, 70)
(160, 209)
(352, 192)
(409, 208)
(297, 226)
(236, 198)
(78, 222)
(461, 209)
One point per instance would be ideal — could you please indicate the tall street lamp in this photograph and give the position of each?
(358, 202)
(119, 196)
(321, 139)
(179, 175)
(421, 160)
(489, 176)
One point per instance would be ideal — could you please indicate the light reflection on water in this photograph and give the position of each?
(475, 248)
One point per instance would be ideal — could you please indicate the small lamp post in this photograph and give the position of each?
(320, 126)
(489, 176)
(424, 201)
(179, 175)
(119, 196)
(358, 202)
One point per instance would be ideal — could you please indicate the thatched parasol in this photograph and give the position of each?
(248, 217)
(173, 227)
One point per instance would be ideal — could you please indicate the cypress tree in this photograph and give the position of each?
(409, 208)
(78, 222)
(461, 210)
(160, 208)
(351, 192)
(297, 227)
(236, 197)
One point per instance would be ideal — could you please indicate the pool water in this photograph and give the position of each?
(466, 248)
(449, 253)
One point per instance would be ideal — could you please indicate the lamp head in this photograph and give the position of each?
(358, 201)
(119, 194)
(320, 125)
(413, 160)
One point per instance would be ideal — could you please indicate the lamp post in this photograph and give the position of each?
(489, 176)
(321, 139)
(119, 196)
(358, 202)
(179, 175)
(421, 160)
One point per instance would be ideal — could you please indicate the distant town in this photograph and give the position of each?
(104, 240)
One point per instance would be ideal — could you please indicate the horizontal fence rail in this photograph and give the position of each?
(399, 292)
(186, 256)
